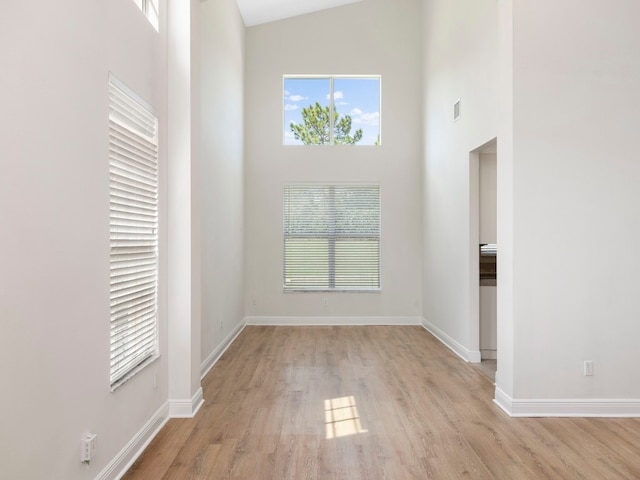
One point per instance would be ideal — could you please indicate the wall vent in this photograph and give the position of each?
(456, 110)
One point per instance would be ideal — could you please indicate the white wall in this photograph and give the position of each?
(488, 321)
(565, 112)
(371, 37)
(222, 172)
(54, 233)
(460, 62)
(488, 166)
(576, 109)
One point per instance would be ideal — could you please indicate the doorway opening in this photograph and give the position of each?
(484, 254)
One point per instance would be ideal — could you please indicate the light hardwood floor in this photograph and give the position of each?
(371, 403)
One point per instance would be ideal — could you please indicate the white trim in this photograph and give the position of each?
(457, 348)
(186, 408)
(488, 354)
(214, 356)
(117, 467)
(502, 400)
(331, 321)
(613, 408)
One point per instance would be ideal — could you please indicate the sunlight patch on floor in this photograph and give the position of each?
(342, 418)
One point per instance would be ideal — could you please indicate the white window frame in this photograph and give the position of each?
(151, 10)
(369, 235)
(331, 100)
(133, 233)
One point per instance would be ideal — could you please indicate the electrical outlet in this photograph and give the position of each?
(87, 448)
(325, 302)
(588, 368)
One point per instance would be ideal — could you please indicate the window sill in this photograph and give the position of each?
(333, 290)
(133, 372)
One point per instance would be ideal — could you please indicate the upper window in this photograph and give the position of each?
(150, 9)
(334, 110)
(133, 222)
(331, 237)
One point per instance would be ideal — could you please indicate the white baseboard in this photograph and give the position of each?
(488, 354)
(331, 321)
(567, 407)
(214, 356)
(457, 348)
(186, 408)
(172, 409)
(134, 448)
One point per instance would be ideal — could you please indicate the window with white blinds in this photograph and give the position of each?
(331, 237)
(133, 214)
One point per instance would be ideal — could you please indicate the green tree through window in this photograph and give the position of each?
(331, 110)
(315, 129)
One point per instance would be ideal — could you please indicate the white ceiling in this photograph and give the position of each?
(255, 12)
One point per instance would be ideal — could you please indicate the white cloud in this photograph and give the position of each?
(296, 98)
(342, 104)
(336, 95)
(287, 93)
(288, 107)
(362, 118)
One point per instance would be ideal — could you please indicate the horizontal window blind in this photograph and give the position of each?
(133, 215)
(331, 237)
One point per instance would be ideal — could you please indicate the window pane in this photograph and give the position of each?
(152, 12)
(306, 263)
(331, 237)
(357, 263)
(306, 111)
(357, 102)
(357, 211)
(308, 212)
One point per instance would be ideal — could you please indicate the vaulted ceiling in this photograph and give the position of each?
(255, 12)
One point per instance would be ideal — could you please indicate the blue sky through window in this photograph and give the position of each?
(358, 97)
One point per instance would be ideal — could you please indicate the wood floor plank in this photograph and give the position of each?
(377, 402)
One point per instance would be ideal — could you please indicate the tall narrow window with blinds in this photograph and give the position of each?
(331, 237)
(133, 213)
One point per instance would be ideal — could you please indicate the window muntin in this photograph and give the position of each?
(334, 110)
(133, 228)
(331, 237)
